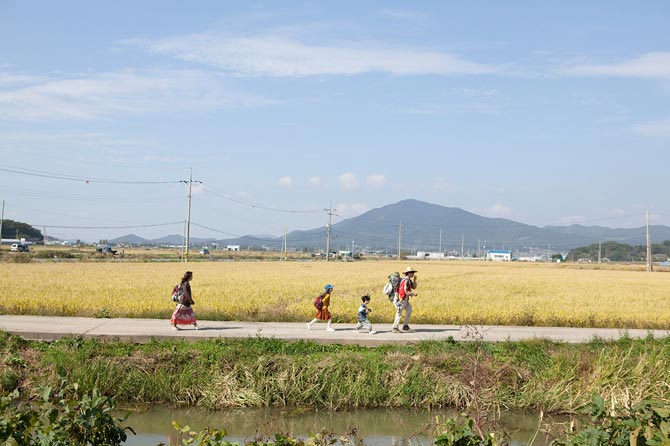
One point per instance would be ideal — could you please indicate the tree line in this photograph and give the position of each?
(621, 252)
(18, 230)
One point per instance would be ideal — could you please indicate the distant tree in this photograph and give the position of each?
(557, 257)
(16, 229)
(619, 252)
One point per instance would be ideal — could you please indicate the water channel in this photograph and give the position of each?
(378, 427)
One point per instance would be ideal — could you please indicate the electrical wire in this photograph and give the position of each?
(58, 176)
(252, 204)
(108, 227)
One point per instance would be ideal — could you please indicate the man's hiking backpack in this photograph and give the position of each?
(177, 291)
(391, 287)
(318, 302)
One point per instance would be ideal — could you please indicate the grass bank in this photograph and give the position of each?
(256, 372)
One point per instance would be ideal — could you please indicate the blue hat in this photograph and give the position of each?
(328, 287)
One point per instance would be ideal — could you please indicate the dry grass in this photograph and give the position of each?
(449, 292)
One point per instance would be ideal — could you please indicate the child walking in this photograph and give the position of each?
(322, 313)
(363, 311)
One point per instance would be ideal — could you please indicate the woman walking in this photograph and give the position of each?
(183, 314)
(322, 313)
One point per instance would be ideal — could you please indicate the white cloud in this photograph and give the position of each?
(617, 212)
(285, 57)
(403, 14)
(119, 93)
(654, 128)
(440, 185)
(497, 210)
(348, 181)
(572, 219)
(350, 210)
(376, 180)
(13, 79)
(285, 182)
(315, 181)
(649, 65)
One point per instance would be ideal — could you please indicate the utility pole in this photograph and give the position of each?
(285, 245)
(650, 266)
(479, 252)
(2, 217)
(45, 236)
(600, 251)
(329, 211)
(440, 250)
(399, 237)
(188, 213)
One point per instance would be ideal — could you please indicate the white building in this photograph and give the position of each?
(233, 248)
(499, 255)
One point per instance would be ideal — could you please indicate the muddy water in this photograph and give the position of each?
(381, 427)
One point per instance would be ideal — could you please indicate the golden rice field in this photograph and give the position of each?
(449, 292)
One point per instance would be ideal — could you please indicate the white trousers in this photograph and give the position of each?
(401, 305)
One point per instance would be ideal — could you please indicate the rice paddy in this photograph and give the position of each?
(458, 293)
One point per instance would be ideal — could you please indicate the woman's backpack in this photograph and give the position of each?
(177, 291)
(318, 302)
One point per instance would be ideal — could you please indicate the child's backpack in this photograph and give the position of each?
(318, 302)
(391, 287)
(177, 291)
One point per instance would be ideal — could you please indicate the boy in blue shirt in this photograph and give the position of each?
(362, 316)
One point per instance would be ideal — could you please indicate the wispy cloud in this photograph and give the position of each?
(649, 65)
(572, 219)
(7, 79)
(403, 14)
(348, 210)
(285, 182)
(440, 185)
(119, 93)
(315, 180)
(486, 101)
(497, 210)
(287, 57)
(348, 181)
(376, 180)
(660, 127)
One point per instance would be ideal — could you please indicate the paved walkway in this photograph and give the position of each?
(143, 330)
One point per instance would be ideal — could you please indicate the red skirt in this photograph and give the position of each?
(323, 314)
(183, 315)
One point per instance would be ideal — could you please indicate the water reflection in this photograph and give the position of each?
(377, 427)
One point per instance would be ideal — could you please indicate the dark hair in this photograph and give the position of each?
(187, 275)
(365, 298)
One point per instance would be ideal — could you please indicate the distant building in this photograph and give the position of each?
(424, 255)
(499, 255)
(232, 247)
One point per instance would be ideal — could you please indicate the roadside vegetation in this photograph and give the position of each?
(458, 293)
(65, 392)
(257, 372)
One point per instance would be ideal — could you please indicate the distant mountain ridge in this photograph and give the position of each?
(426, 226)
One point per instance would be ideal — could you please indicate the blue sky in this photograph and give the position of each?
(548, 113)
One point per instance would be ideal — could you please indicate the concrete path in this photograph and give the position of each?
(143, 330)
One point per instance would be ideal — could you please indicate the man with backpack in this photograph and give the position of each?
(401, 300)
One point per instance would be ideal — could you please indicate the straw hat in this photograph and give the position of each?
(410, 270)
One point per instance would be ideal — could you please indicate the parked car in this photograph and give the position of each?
(204, 251)
(105, 249)
(19, 247)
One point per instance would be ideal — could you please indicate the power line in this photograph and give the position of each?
(59, 176)
(109, 227)
(252, 204)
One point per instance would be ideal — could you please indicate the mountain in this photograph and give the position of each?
(429, 227)
(130, 239)
(422, 224)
